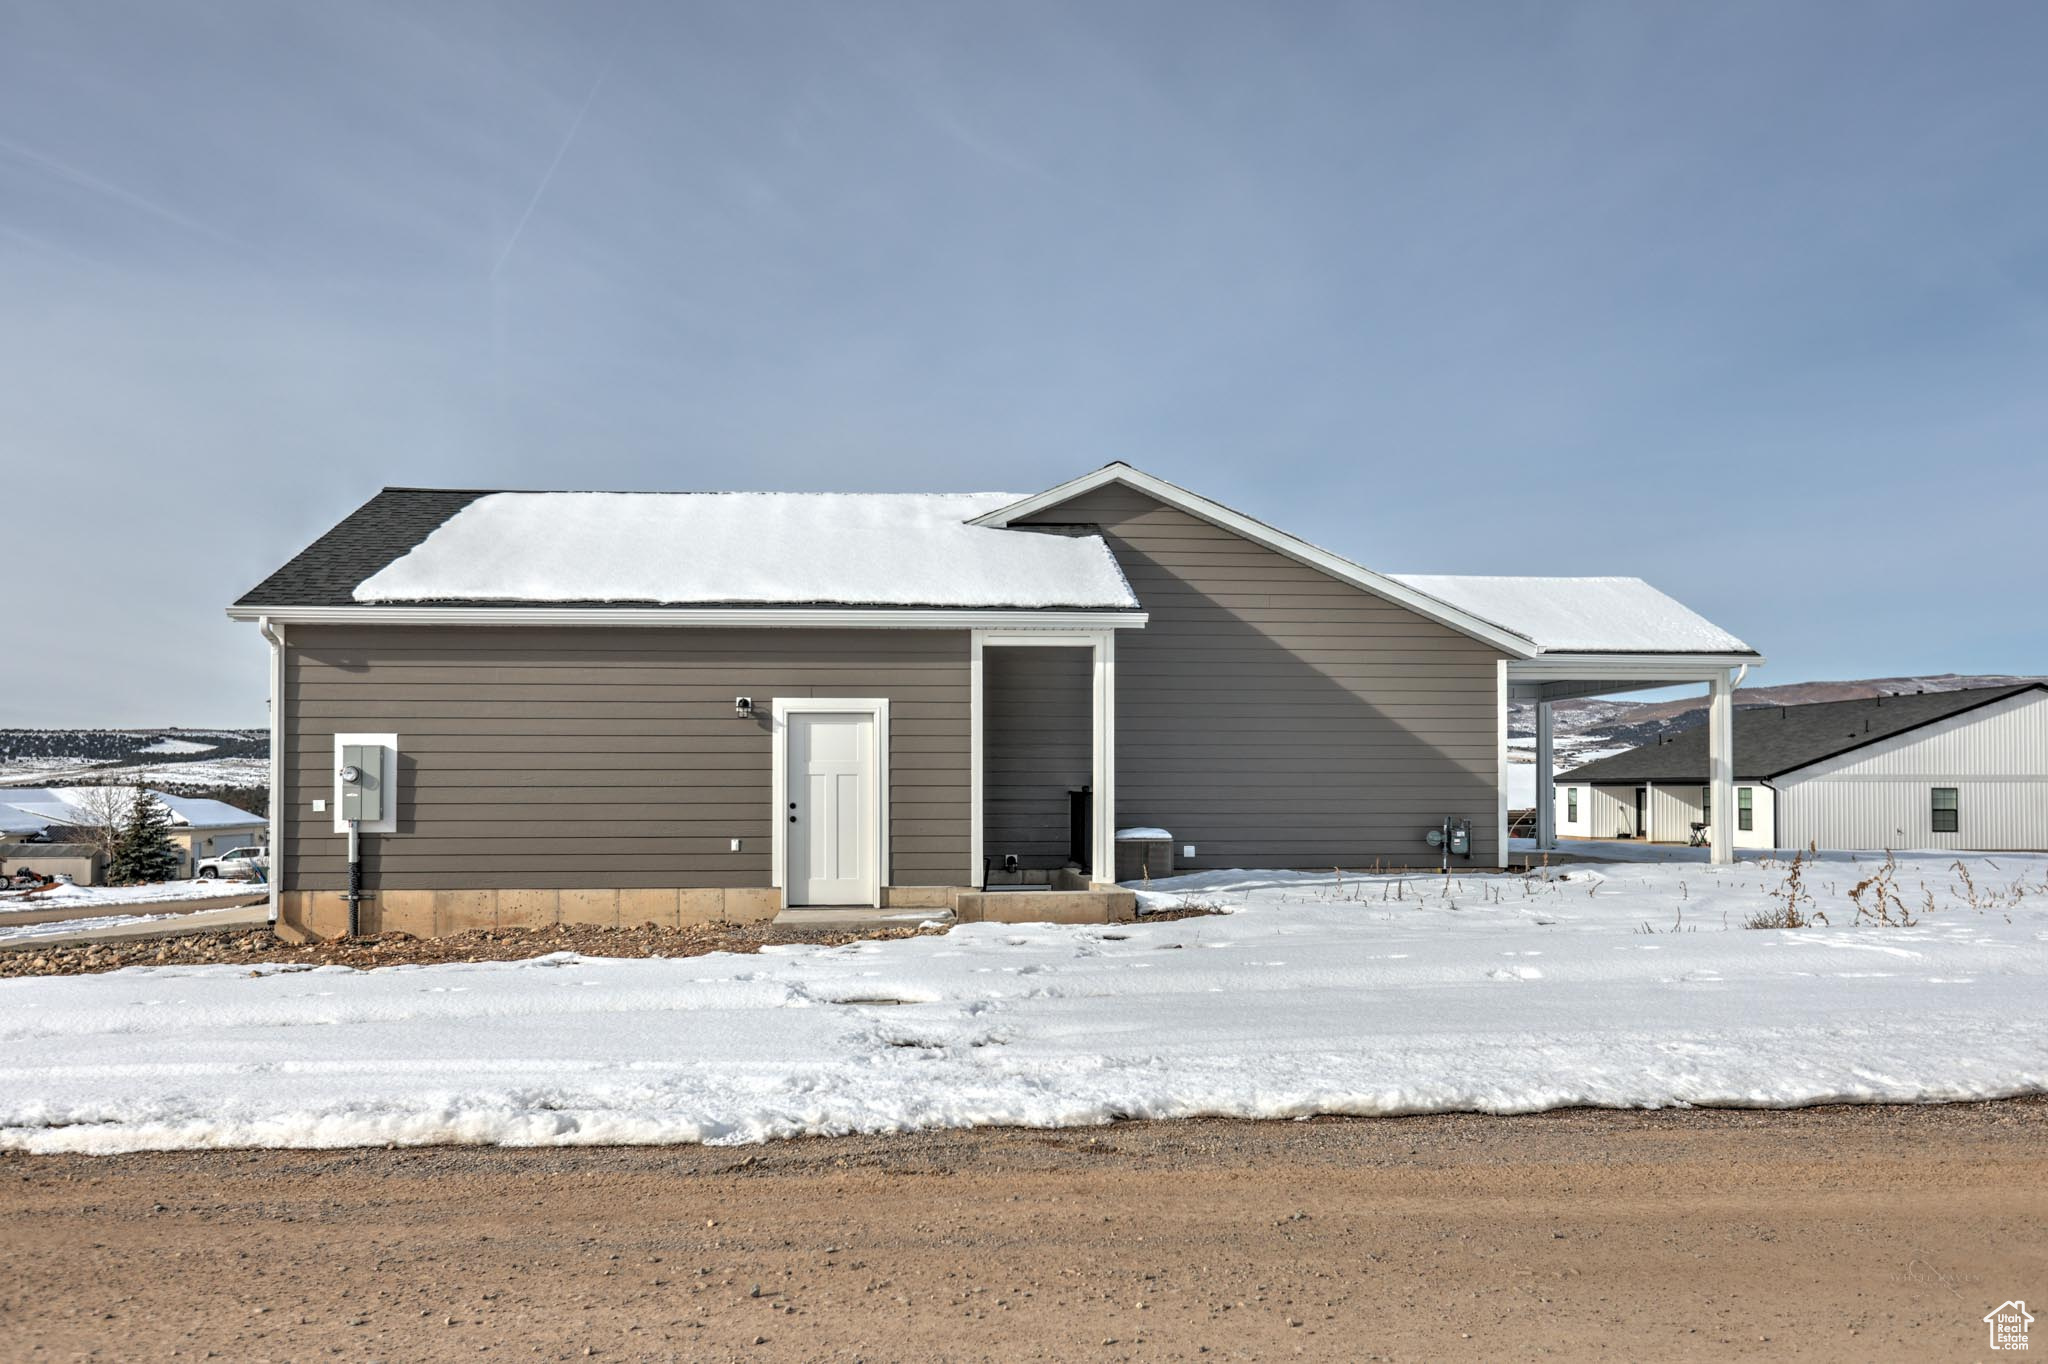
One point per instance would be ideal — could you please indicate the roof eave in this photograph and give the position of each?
(886, 618)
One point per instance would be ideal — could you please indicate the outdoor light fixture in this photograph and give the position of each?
(743, 707)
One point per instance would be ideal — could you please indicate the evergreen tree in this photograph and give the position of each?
(145, 851)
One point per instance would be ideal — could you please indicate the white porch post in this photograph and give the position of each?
(975, 704)
(1546, 780)
(1721, 768)
(1103, 802)
(1500, 762)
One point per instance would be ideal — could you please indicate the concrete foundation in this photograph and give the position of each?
(305, 915)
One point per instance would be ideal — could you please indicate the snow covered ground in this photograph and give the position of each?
(64, 928)
(113, 899)
(1571, 751)
(1624, 985)
(158, 892)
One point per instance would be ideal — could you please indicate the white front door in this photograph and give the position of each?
(831, 815)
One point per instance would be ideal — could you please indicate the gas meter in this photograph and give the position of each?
(1452, 837)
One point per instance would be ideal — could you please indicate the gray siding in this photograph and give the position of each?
(1276, 717)
(606, 758)
(1037, 745)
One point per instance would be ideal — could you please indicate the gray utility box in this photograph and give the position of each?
(1140, 859)
(363, 798)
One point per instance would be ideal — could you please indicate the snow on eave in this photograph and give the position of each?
(748, 549)
(1620, 616)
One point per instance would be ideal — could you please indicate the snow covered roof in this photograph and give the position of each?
(45, 805)
(840, 549)
(444, 553)
(18, 821)
(1582, 615)
(199, 813)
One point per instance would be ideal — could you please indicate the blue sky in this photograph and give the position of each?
(1750, 300)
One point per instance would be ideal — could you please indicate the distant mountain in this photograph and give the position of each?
(1584, 728)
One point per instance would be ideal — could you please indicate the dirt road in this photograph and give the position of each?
(1850, 1233)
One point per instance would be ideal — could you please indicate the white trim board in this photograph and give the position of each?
(781, 618)
(877, 709)
(1500, 761)
(389, 823)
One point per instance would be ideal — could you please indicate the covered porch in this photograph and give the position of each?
(1553, 677)
(1042, 759)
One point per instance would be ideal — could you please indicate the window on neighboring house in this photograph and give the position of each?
(1571, 804)
(1947, 810)
(1706, 805)
(1745, 808)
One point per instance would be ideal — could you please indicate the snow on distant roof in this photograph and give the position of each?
(65, 805)
(15, 820)
(1582, 615)
(840, 549)
(199, 813)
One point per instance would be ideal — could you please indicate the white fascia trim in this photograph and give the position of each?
(881, 618)
(1677, 669)
(1279, 541)
(877, 709)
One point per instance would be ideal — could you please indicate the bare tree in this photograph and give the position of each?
(98, 814)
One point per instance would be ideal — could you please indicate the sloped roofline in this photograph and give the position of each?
(1875, 739)
(1998, 694)
(1273, 538)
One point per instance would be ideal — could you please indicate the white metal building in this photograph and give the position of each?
(1966, 770)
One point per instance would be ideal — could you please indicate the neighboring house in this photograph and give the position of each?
(81, 862)
(199, 827)
(1966, 770)
(623, 706)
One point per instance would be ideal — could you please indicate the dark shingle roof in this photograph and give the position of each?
(1773, 740)
(397, 520)
(19, 852)
(326, 572)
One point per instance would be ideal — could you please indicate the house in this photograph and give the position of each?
(1966, 770)
(199, 827)
(83, 863)
(628, 706)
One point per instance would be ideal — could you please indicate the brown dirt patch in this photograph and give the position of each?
(1842, 1233)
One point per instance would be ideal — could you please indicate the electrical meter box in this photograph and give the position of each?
(362, 782)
